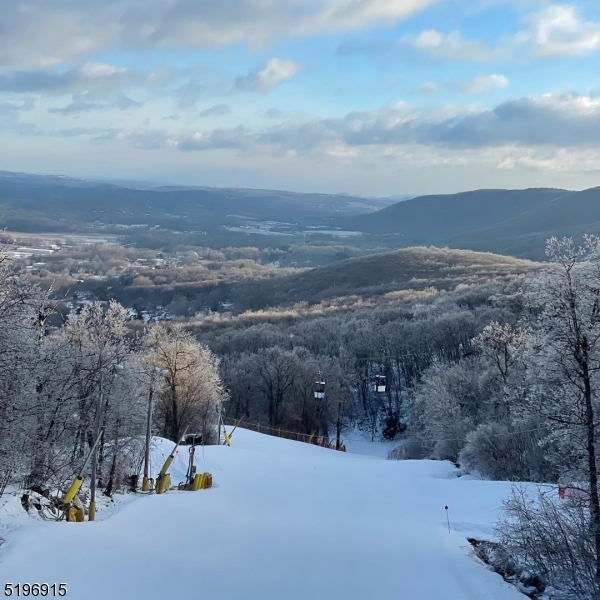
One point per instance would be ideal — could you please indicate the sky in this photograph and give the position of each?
(370, 97)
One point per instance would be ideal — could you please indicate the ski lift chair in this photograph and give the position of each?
(380, 384)
(319, 390)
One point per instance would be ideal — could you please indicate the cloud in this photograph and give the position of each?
(201, 83)
(429, 87)
(91, 76)
(557, 31)
(355, 14)
(554, 31)
(86, 102)
(485, 83)
(267, 78)
(218, 110)
(79, 103)
(153, 139)
(449, 46)
(124, 102)
(219, 139)
(41, 34)
(14, 108)
(561, 121)
(273, 113)
(479, 85)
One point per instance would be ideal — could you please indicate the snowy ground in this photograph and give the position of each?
(285, 521)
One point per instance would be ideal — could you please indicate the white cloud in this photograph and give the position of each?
(39, 34)
(554, 31)
(449, 46)
(267, 78)
(94, 70)
(485, 83)
(479, 85)
(91, 76)
(553, 120)
(557, 31)
(567, 121)
(355, 14)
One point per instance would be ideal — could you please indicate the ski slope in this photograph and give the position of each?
(285, 521)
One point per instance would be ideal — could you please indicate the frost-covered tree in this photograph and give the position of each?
(451, 402)
(548, 540)
(192, 387)
(565, 360)
(502, 345)
(21, 311)
(85, 383)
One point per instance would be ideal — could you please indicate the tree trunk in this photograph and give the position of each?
(113, 467)
(593, 472)
(174, 417)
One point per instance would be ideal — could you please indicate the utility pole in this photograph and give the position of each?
(146, 479)
(220, 409)
(338, 441)
(92, 510)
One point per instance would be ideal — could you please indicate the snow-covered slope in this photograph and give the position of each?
(285, 521)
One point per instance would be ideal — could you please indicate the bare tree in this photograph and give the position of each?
(193, 387)
(554, 541)
(566, 353)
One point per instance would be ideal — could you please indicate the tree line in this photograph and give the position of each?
(58, 388)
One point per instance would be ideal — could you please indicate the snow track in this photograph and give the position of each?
(285, 521)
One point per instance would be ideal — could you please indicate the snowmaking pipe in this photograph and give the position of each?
(161, 480)
(68, 497)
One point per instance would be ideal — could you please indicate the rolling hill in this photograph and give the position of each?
(48, 203)
(428, 219)
(570, 214)
(514, 222)
(407, 269)
(509, 222)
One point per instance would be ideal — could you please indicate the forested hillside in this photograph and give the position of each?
(429, 219)
(513, 222)
(37, 203)
(373, 276)
(90, 379)
(570, 214)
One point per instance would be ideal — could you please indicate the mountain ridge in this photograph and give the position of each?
(514, 222)
(415, 268)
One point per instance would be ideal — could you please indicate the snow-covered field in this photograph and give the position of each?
(285, 520)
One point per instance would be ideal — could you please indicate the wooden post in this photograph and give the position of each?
(258, 427)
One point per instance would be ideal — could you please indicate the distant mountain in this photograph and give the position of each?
(570, 214)
(50, 203)
(515, 222)
(378, 274)
(427, 219)
(511, 222)
(396, 198)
